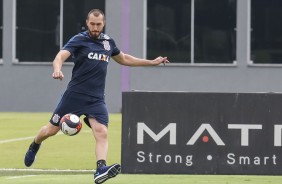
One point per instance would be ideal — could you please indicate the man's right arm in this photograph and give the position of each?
(60, 58)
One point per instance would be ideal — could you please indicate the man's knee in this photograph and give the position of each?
(100, 130)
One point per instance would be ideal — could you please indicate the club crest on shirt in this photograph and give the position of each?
(106, 45)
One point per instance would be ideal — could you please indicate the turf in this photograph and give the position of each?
(77, 153)
(141, 179)
(58, 152)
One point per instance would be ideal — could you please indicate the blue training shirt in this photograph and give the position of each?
(91, 57)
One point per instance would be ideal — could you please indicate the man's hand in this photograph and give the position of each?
(58, 75)
(160, 60)
(58, 62)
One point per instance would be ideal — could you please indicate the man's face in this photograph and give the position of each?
(95, 25)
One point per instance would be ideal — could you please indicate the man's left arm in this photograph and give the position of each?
(128, 60)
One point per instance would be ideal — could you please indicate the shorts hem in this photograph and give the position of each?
(99, 120)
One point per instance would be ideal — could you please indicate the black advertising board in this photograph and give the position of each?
(201, 133)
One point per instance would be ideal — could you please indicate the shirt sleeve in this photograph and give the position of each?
(116, 50)
(73, 44)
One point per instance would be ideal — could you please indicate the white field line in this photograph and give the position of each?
(19, 177)
(14, 140)
(27, 138)
(47, 170)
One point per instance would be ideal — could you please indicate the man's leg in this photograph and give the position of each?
(45, 132)
(103, 172)
(100, 133)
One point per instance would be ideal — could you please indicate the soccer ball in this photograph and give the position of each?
(70, 124)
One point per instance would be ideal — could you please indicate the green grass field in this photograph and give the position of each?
(70, 160)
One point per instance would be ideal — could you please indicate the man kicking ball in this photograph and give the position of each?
(84, 95)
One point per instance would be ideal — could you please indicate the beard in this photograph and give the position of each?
(94, 34)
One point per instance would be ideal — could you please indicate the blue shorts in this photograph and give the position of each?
(81, 104)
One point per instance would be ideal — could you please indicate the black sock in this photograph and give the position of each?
(101, 163)
(35, 146)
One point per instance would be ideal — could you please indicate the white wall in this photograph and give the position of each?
(31, 87)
